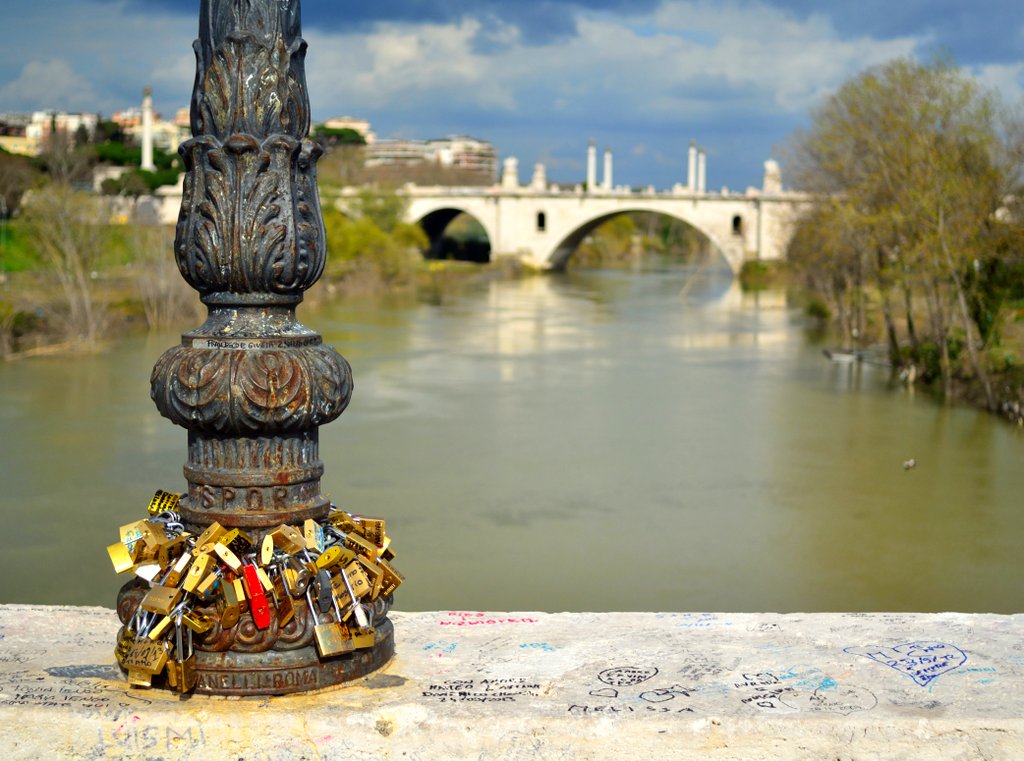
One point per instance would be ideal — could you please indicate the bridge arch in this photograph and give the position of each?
(435, 222)
(560, 255)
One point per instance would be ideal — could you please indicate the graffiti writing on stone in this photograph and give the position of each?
(626, 676)
(843, 700)
(482, 690)
(921, 661)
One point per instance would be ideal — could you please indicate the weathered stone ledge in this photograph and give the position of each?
(552, 686)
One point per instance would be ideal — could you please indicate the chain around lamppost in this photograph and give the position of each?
(252, 583)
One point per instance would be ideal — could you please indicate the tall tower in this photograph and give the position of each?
(591, 167)
(606, 180)
(691, 167)
(147, 130)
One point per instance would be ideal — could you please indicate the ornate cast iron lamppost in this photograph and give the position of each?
(252, 385)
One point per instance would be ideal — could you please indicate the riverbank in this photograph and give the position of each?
(33, 320)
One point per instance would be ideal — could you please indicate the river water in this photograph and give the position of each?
(602, 440)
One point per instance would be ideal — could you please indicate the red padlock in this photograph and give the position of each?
(259, 607)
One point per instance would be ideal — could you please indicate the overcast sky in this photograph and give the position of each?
(538, 79)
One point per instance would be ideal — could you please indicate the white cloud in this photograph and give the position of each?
(614, 70)
(400, 63)
(95, 56)
(1007, 79)
(42, 83)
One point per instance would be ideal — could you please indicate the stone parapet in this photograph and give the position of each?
(552, 686)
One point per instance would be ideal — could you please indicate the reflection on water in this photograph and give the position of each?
(597, 441)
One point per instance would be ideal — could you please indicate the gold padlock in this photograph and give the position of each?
(343, 522)
(376, 575)
(160, 628)
(240, 595)
(391, 580)
(372, 529)
(313, 534)
(237, 541)
(178, 570)
(212, 533)
(205, 587)
(168, 550)
(163, 501)
(288, 539)
(131, 534)
(145, 656)
(283, 603)
(122, 558)
(125, 640)
(201, 565)
(140, 678)
(364, 638)
(181, 670)
(360, 546)
(266, 550)
(197, 622)
(330, 638)
(357, 579)
(161, 599)
(335, 556)
(229, 558)
(228, 606)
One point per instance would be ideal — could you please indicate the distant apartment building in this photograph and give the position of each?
(460, 152)
(12, 135)
(356, 125)
(27, 134)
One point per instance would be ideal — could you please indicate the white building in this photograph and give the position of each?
(456, 151)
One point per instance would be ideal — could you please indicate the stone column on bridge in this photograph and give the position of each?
(702, 166)
(606, 182)
(691, 166)
(591, 167)
(772, 184)
(540, 178)
(147, 130)
(510, 173)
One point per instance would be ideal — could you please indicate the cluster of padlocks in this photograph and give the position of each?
(340, 566)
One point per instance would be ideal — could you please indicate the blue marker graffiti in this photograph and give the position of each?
(921, 661)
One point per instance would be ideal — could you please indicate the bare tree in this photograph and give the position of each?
(166, 298)
(69, 232)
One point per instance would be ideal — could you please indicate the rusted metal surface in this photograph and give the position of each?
(277, 672)
(252, 385)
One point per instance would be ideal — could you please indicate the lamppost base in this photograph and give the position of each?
(282, 672)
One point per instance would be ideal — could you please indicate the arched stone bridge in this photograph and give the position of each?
(543, 226)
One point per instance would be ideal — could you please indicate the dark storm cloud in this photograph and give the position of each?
(539, 21)
(985, 31)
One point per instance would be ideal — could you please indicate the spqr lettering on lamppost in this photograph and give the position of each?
(252, 582)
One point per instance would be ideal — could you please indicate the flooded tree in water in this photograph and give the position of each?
(912, 167)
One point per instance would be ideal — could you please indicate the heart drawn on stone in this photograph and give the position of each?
(921, 661)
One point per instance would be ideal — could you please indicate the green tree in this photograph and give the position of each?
(332, 136)
(610, 242)
(910, 166)
(372, 241)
